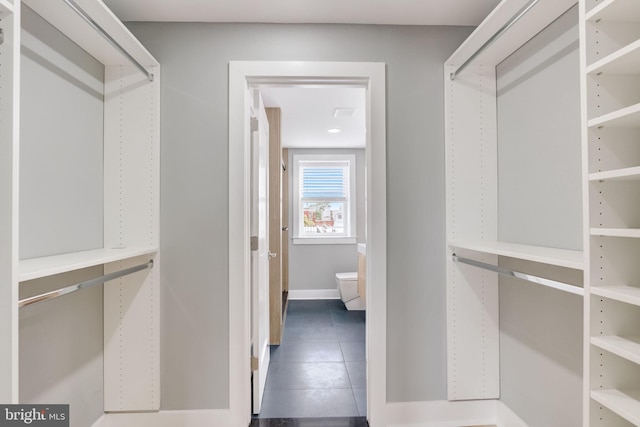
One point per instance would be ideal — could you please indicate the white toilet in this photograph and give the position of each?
(348, 287)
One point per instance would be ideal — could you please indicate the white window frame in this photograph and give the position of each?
(349, 237)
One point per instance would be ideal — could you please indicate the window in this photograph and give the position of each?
(324, 198)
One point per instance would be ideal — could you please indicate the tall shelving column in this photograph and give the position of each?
(610, 35)
(9, 114)
(131, 203)
(473, 334)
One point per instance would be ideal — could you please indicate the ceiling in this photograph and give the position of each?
(308, 113)
(396, 12)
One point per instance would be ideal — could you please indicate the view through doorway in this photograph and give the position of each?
(370, 76)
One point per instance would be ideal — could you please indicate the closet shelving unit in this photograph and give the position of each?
(472, 196)
(131, 201)
(610, 31)
(9, 100)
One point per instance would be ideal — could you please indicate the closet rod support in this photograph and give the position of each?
(83, 285)
(494, 37)
(518, 275)
(77, 9)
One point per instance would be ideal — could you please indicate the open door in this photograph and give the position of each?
(260, 254)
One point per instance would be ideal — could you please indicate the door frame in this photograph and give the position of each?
(245, 74)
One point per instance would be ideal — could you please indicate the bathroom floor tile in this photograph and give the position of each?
(308, 376)
(341, 317)
(309, 403)
(351, 332)
(360, 395)
(353, 351)
(315, 319)
(357, 374)
(300, 351)
(310, 333)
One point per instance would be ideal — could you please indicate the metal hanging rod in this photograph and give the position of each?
(494, 37)
(82, 285)
(510, 273)
(77, 9)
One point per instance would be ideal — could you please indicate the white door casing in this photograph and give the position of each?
(260, 255)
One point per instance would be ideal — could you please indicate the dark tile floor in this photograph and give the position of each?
(319, 370)
(310, 422)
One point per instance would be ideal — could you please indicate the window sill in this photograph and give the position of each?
(325, 240)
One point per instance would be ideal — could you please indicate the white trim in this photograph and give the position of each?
(412, 414)
(313, 294)
(372, 77)
(451, 414)
(187, 418)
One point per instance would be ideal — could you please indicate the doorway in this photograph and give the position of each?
(370, 76)
(318, 364)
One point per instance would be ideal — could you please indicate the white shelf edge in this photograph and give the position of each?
(6, 6)
(595, 13)
(552, 256)
(69, 23)
(620, 403)
(626, 294)
(610, 118)
(613, 57)
(616, 232)
(617, 174)
(623, 347)
(36, 268)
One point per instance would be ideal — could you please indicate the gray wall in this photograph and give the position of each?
(315, 266)
(194, 219)
(539, 145)
(539, 158)
(61, 141)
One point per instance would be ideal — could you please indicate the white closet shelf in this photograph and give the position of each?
(628, 117)
(626, 348)
(5, 7)
(626, 294)
(615, 10)
(73, 26)
(36, 268)
(622, 61)
(622, 403)
(541, 254)
(616, 232)
(626, 174)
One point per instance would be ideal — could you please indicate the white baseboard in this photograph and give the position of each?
(314, 294)
(412, 414)
(451, 414)
(191, 418)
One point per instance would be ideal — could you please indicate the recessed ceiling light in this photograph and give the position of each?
(344, 112)
(334, 130)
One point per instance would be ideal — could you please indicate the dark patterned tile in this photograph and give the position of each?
(310, 422)
(309, 403)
